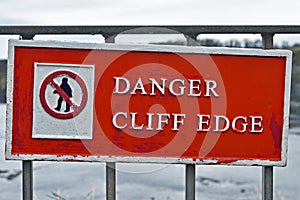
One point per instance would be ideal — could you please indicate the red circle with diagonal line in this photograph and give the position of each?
(76, 108)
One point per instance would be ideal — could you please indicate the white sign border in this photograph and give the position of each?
(147, 48)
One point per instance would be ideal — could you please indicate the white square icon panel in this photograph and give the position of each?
(63, 101)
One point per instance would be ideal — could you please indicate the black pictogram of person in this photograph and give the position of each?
(68, 90)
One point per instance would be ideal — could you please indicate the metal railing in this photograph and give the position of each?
(109, 33)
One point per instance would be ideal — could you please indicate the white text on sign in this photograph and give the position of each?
(179, 87)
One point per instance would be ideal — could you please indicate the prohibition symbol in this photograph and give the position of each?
(72, 109)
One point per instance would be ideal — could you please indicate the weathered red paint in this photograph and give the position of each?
(254, 85)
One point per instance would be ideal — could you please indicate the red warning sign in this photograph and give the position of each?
(157, 104)
(76, 109)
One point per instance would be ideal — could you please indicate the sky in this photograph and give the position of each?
(148, 12)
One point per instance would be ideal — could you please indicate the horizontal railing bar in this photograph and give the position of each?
(108, 31)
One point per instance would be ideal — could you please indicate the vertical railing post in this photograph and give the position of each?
(267, 183)
(190, 169)
(27, 180)
(190, 185)
(267, 40)
(110, 39)
(27, 171)
(110, 181)
(267, 171)
(191, 40)
(110, 166)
